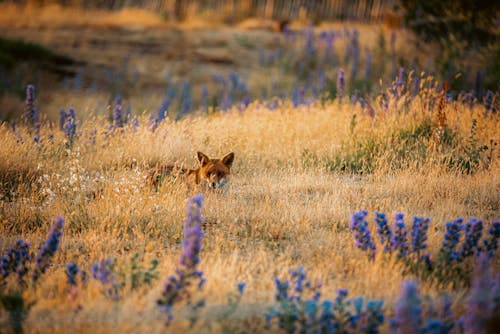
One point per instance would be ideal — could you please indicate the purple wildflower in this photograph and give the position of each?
(72, 271)
(383, 230)
(309, 44)
(408, 312)
(103, 271)
(177, 286)
(484, 299)
(241, 287)
(48, 249)
(204, 97)
(69, 126)
(15, 260)
(328, 37)
(117, 114)
(366, 107)
(361, 233)
(298, 97)
(419, 234)
(186, 100)
(399, 240)
(373, 317)
(31, 114)
(281, 289)
(451, 239)
(473, 231)
(489, 100)
(340, 84)
(491, 243)
(135, 123)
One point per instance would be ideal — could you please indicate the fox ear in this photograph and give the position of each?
(228, 159)
(203, 159)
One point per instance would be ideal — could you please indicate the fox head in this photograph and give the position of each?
(215, 173)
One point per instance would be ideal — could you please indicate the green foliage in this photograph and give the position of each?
(17, 309)
(473, 21)
(474, 156)
(139, 275)
(405, 147)
(13, 51)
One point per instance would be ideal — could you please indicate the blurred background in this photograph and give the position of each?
(173, 57)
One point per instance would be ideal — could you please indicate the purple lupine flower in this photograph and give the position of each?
(281, 289)
(383, 230)
(451, 239)
(48, 249)
(241, 287)
(225, 101)
(103, 271)
(418, 234)
(177, 286)
(491, 243)
(234, 79)
(355, 97)
(399, 240)
(340, 84)
(366, 107)
(299, 276)
(192, 233)
(135, 123)
(72, 271)
(309, 44)
(374, 316)
(162, 111)
(489, 101)
(204, 97)
(31, 114)
(15, 260)
(69, 126)
(361, 233)
(446, 315)
(484, 299)
(398, 85)
(328, 37)
(408, 311)
(186, 100)
(128, 114)
(473, 232)
(298, 97)
(117, 114)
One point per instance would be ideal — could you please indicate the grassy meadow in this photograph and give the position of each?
(300, 171)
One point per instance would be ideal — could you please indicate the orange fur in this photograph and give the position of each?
(212, 173)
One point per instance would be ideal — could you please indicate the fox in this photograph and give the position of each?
(212, 173)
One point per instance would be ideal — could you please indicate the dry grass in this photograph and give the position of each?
(33, 16)
(278, 214)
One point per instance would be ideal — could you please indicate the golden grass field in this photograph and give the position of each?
(279, 212)
(288, 204)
